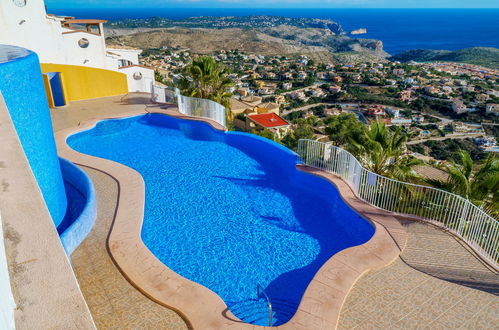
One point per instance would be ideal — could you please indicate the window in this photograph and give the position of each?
(137, 75)
(83, 43)
(123, 63)
(20, 3)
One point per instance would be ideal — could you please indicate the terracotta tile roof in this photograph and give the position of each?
(85, 21)
(268, 120)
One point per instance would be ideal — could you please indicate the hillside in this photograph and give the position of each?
(484, 56)
(318, 43)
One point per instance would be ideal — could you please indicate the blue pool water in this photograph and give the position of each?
(229, 210)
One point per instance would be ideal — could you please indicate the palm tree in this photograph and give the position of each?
(207, 79)
(478, 184)
(382, 151)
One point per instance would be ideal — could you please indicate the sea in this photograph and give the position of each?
(399, 29)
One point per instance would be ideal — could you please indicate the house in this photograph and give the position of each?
(268, 107)
(334, 89)
(482, 98)
(458, 106)
(280, 99)
(405, 95)
(409, 80)
(317, 92)
(302, 75)
(252, 105)
(447, 90)
(394, 112)
(376, 110)
(267, 121)
(398, 72)
(243, 92)
(492, 108)
(337, 79)
(238, 107)
(418, 119)
(287, 85)
(431, 90)
(252, 100)
(75, 60)
(322, 75)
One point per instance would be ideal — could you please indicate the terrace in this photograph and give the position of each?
(424, 266)
(437, 281)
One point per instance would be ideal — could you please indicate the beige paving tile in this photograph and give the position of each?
(402, 297)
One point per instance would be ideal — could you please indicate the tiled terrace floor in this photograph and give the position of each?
(408, 295)
(401, 296)
(113, 301)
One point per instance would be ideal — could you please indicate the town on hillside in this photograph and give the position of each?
(444, 106)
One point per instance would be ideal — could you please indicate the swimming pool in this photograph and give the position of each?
(229, 210)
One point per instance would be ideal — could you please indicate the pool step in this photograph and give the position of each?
(255, 311)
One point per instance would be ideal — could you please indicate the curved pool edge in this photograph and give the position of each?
(199, 306)
(81, 226)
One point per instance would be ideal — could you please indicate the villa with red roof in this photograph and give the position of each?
(270, 121)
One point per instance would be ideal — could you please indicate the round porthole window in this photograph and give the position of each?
(20, 3)
(83, 43)
(137, 75)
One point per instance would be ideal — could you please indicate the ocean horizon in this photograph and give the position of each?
(399, 29)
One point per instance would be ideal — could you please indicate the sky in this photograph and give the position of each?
(273, 3)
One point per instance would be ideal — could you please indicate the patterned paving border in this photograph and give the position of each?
(202, 308)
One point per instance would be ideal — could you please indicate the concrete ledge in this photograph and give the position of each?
(202, 308)
(44, 286)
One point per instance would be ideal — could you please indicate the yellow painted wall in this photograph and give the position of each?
(82, 83)
(48, 90)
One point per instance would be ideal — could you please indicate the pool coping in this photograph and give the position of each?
(200, 307)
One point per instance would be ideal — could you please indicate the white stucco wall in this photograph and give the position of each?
(142, 85)
(92, 56)
(30, 27)
(131, 55)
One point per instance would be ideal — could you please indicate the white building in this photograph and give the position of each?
(492, 108)
(68, 41)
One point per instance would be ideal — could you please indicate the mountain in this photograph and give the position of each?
(485, 56)
(322, 40)
(215, 22)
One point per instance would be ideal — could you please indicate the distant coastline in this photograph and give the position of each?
(432, 28)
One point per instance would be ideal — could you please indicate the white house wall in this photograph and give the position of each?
(131, 55)
(142, 85)
(29, 27)
(91, 56)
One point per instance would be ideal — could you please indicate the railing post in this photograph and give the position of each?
(269, 305)
(464, 214)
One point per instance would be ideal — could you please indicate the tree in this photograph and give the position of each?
(207, 79)
(264, 133)
(381, 151)
(341, 129)
(478, 184)
(158, 76)
(303, 130)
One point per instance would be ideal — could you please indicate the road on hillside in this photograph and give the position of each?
(463, 136)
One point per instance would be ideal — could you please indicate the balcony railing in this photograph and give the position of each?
(190, 106)
(452, 212)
